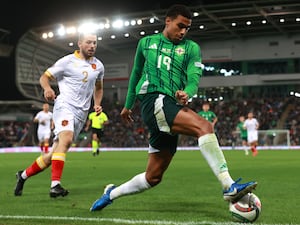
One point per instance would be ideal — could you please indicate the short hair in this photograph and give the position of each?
(178, 9)
(82, 35)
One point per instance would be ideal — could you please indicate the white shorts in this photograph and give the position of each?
(42, 135)
(64, 119)
(252, 136)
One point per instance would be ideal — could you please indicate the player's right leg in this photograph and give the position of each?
(190, 123)
(253, 144)
(237, 191)
(41, 163)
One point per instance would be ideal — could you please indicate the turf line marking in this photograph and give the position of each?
(122, 221)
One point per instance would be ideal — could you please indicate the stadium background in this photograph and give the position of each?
(250, 51)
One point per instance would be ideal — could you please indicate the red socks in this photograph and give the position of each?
(58, 162)
(37, 166)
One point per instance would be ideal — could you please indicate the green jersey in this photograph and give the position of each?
(208, 115)
(164, 67)
(242, 129)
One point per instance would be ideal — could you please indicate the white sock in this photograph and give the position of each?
(54, 183)
(24, 175)
(136, 185)
(214, 156)
(246, 150)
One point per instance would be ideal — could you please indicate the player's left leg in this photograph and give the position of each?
(99, 136)
(162, 148)
(58, 161)
(158, 162)
(253, 148)
(95, 144)
(245, 146)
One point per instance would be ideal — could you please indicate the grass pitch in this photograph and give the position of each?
(188, 194)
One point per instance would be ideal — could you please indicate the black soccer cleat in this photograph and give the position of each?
(58, 190)
(20, 183)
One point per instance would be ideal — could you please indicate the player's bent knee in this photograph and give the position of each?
(207, 128)
(154, 181)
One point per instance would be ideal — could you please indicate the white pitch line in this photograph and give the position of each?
(124, 221)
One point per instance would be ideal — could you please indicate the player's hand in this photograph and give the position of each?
(126, 115)
(182, 97)
(49, 94)
(98, 109)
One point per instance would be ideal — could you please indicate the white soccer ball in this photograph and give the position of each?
(247, 209)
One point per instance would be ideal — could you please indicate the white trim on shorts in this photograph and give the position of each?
(152, 149)
(160, 114)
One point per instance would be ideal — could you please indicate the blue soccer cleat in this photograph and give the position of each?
(237, 191)
(104, 200)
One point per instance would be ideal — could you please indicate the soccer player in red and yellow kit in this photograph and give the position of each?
(45, 124)
(79, 77)
(252, 125)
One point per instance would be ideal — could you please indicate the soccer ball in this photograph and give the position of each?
(247, 209)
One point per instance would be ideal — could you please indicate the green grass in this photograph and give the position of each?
(189, 193)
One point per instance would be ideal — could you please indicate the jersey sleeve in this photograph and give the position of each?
(37, 116)
(135, 75)
(101, 69)
(105, 118)
(90, 116)
(214, 115)
(194, 70)
(257, 123)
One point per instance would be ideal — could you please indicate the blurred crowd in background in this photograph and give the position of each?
(272, 113)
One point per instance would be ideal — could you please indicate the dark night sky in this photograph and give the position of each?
(20, 16)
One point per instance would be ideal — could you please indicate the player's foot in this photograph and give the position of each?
(237, 191)
(255, 152)
(104, 200)
(58, 190)
(20, 184)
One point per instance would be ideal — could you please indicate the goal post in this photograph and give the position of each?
(278, 137)
(273, 137)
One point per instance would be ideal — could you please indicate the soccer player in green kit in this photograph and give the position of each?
(165, 74)
(208, 114)
(243, 133)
